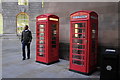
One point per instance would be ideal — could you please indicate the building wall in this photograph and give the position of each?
(10, 11)
(108, 22)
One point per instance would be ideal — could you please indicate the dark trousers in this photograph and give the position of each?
(28, 49)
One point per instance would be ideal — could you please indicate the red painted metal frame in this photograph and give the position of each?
(50, 56)
(90, 59)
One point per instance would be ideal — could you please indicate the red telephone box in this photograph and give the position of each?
(47, 38)
(83, 41)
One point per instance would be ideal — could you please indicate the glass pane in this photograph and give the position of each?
(79, 36)
(79, 46)
(53, 46)
(93, 33)
(53, 42)
(54, 26)
(79, 31)
(41, 54)
(77, 25)
(54, 32)
(78, 57)
(41, 30)
(53, 38)
(41, 26)
(78, 41)
(41, 38)
(41, 42)
(77, 62)
(41, 34)
(93, 30)
(41, 46)
(77, 51)
(41, 50)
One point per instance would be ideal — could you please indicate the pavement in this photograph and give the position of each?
(14, 67)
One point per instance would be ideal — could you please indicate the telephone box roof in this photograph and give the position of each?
(47, 14)
(87, 11)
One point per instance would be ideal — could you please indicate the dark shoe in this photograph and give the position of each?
(23, 59)
(28, 58)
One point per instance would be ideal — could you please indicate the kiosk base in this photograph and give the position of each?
(82, 72)
(48, 63)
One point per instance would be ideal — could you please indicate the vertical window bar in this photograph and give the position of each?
(42, 3)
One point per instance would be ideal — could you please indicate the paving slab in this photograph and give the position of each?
(14, 67)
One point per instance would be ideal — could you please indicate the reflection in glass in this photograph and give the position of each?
(41, 25)
(79, 30)
(53, 38)
(41, 46)
(77, 25)
(53, 42)
(41, 34)
(78, 41)
(78, 57)
(41, 30)
(79, 36)
(77, 51)
(41, 42)
(54, 26)
(41, 38)
(93, 33)
(77, 62)
(41, 50)
(53, 46)
(79, 46)
(41, 54)
(54, 32)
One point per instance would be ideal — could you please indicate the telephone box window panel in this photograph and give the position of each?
(41, 34)
(83, 41)
(75, 51)
(78, 35)
(78, 57)
(41, 55)
(47, 38)
(78, 41)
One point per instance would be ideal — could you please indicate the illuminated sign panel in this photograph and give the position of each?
(83, 16)
(42, 19)
(53, 19)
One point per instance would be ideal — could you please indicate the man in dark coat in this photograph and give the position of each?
(26, 39)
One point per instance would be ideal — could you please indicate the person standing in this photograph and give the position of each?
(26, 39)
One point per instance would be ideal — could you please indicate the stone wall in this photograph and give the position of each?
(10, 11)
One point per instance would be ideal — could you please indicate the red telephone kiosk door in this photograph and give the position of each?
(81, 42)
(40, 42)
(47, 38)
